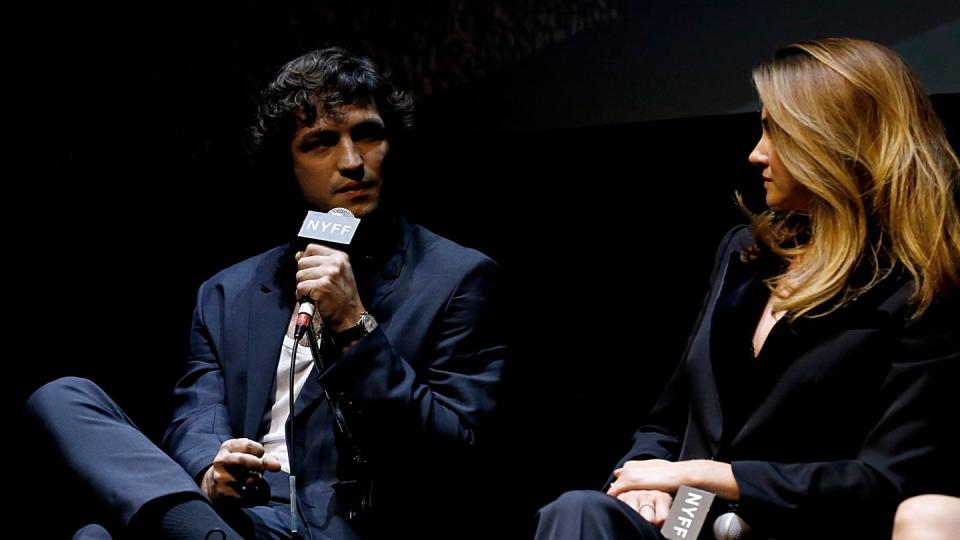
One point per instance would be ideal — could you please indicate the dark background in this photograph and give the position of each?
(591, 147)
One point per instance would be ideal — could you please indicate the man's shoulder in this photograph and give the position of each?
(433, 250)
(261, 268)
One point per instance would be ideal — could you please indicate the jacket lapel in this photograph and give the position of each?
(268, 318)
(732, 285)
(734, 317)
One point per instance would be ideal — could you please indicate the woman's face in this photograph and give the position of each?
(783, 192)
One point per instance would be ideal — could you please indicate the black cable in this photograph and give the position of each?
(289, 442)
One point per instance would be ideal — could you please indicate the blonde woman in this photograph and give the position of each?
(814, 391)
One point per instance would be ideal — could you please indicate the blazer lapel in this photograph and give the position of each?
(732, 279)
(735, 315)
(268, 318)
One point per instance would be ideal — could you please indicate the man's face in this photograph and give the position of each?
(338, 159)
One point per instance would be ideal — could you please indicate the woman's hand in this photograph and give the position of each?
(668, 476)
(652, 505)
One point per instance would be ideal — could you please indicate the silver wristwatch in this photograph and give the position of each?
(364, 326)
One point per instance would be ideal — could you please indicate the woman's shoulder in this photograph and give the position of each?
(737, 239)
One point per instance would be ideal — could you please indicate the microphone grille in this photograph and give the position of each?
(341, 212)
(730, 526)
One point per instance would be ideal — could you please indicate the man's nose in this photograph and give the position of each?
(350, 160)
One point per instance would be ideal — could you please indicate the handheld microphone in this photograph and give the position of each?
(730, 526)
(334, 228)
(689, 512)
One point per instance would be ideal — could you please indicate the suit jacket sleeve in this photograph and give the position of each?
(200, 421)
(392, 406)
(905, 453)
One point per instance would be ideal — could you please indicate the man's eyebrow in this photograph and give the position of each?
(314, 135)
(313, 132)
(373, 121)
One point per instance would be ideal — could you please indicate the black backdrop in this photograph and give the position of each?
(135, 188)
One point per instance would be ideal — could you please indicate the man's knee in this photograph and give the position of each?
(54, 398)
(93, 532)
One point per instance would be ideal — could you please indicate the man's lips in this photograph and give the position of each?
(355, 186)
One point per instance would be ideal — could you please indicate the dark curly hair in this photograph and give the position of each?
(332, 77)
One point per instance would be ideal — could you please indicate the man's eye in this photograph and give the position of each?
(319, 142)
(326, 140)
(369, 132)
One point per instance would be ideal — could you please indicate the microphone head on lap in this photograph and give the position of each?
(730, 526)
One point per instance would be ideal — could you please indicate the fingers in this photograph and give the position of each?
(622, 477)
(318, 249)
(630, 498)
(316, 290)
(321, 259)
(218, 482)
(640, 501)
(650, 474)
(245, 446)
(325, 277)
(661, 504)
(238, 464)
(245, 454)
(237, 460)
(319, 265)
(620, 485)
(227, 490)
(647, 512)
(653, 506)
(271, 463)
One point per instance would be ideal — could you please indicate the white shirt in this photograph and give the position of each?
(275, 442)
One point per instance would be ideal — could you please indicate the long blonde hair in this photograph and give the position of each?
(853, 126)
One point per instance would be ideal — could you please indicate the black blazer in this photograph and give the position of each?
(841, 416)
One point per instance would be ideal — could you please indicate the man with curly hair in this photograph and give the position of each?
(412, 353)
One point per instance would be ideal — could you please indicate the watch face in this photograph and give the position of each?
(368, 322)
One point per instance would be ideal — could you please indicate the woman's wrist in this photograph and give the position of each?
(713, 476)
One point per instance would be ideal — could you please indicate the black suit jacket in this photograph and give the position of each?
(848, 413)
